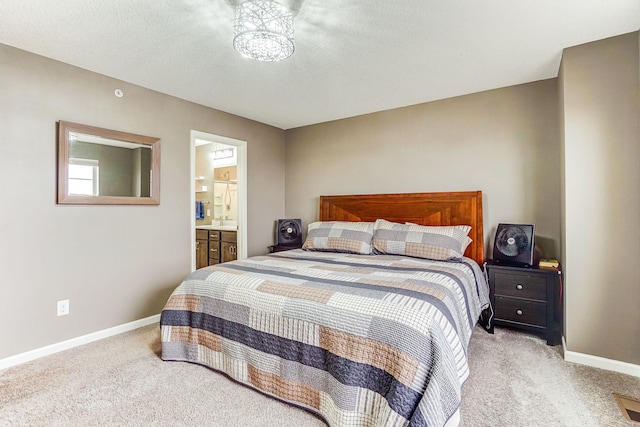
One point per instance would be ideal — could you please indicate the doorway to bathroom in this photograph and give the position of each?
(219, 199)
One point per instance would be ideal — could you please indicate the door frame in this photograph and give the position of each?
(241, 147)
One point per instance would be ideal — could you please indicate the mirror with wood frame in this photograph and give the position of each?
(99, 166)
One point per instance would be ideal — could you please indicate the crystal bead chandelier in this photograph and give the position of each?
(263, 30)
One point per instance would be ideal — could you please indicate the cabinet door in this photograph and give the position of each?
(202, 253)
(214, 252)
(229, 251)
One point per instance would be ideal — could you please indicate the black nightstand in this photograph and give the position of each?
(526, 298)
(280, 248)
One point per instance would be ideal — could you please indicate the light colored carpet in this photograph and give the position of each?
(516, 380)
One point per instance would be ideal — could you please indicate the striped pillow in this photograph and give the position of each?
(446, 243)
(340, 236)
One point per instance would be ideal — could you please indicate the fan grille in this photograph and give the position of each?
(512, 241)
(289, 232)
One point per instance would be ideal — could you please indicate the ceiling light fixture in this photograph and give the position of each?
(263, 31)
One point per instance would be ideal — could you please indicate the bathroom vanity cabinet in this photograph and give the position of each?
(215, 246)
(202, 248)
(228, 246)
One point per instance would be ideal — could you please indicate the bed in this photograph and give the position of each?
(364, 326)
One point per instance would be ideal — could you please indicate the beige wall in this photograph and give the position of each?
(600, 85)
(504, 142)
(115, 264)
(540, 152)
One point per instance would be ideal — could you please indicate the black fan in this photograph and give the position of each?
(289, 232)
(514, 244)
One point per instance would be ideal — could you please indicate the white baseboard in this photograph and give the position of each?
(600, 362)
(75, 342)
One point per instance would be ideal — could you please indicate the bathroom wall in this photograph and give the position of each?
(204, 182)
(218, 202)
(225, 195)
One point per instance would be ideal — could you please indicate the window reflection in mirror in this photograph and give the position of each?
(83, 177)
(102, 166)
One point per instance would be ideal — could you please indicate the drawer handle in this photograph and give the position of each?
(519, 312)
(519, 287)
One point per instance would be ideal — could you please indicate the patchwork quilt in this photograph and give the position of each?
(361, 340)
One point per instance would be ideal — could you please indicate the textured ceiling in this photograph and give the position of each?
(352, 56)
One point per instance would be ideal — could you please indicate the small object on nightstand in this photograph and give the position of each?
(548, 263)
(526, 298)
(280, 248)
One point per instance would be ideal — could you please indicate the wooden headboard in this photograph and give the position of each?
(459, 208)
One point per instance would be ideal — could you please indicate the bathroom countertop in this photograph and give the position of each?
(217, 227)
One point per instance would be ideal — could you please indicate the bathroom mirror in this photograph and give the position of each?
(107, 167)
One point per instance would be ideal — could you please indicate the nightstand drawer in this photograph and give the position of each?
(521, 286)
(521, 311)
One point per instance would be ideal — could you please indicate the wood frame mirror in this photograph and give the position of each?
(99, 166)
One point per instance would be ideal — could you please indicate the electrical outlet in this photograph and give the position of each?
(63, 307)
